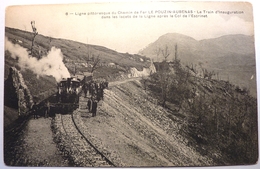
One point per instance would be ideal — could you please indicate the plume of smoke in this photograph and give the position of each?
(51, 64)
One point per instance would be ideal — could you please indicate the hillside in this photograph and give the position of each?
(75, 52)
(224, 45)
(232, 57)
(217, 116)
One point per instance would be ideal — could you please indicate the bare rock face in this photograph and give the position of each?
(16, 93)
(145, 72)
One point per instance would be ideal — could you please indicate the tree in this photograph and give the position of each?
(96, 61)
(176, 52)
(165, 76)
(165, 53)
(35, 33)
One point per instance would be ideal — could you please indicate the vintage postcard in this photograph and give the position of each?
(142, 84)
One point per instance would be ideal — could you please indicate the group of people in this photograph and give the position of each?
(95, 89)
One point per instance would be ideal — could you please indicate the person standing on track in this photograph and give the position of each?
(90, 101)
(35, 110)
(47, 109)
(85, 88)
(94, 108)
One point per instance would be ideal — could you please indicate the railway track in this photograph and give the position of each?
(82, 150)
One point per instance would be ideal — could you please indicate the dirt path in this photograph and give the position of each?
(39, 147)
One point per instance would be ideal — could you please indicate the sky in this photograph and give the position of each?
(131, 34)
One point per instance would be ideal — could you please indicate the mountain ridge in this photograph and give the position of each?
(212, 47)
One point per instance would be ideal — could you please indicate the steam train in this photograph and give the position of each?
(68, 92)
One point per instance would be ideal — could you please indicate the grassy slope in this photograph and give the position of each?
(76, 51)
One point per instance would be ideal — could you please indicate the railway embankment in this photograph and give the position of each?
(130, 125)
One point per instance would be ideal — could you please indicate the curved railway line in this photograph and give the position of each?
(81, 147)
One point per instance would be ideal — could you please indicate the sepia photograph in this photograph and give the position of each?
(130, 84)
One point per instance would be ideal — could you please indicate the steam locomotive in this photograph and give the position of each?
(68, 90)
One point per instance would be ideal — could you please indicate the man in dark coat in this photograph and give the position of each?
(35, 110)
(94, 108)
(47, 109)
(106, 84)
(89, 104)
(85, 88)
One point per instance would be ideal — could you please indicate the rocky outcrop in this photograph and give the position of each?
(16, 93)
(145, 72)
